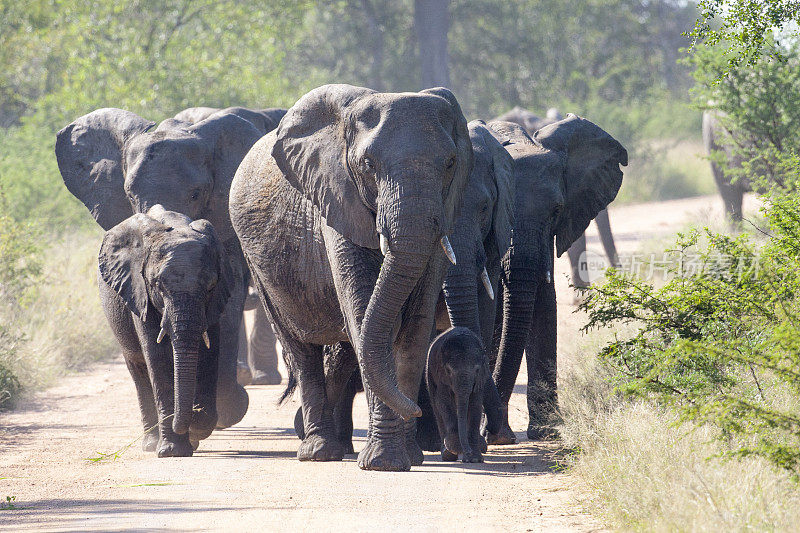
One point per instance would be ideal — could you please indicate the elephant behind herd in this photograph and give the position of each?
(353, 215)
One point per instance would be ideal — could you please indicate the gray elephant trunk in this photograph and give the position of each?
(187, 327)
(410, 224)
(461, 290)
(464, 387)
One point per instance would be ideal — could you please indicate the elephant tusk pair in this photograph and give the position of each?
(448, 250)
(487, 283)
(163, 333)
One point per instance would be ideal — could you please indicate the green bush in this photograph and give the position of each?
(720, 340)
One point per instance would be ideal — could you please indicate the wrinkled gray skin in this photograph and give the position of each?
(563, 177)
(258, 358)
(714, 141)
(532, 123)
(117, 165)
(308, 204)
(481, 235)
(164, 272)
(456, 373)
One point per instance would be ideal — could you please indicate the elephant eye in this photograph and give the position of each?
(451, 162)
(195, 194)
(369, 165)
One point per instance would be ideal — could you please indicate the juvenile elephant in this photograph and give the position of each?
(340, 212)
(456, 374)
(164, 275)
(532, 123)
(117, 165)
(714, 140)
(563, 177)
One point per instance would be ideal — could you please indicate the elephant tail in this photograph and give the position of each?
(291, 385)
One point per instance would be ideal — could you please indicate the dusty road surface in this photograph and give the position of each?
(247, 477)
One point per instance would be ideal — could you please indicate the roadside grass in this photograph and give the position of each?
(56, 324)
(647, 470)
(650, 472)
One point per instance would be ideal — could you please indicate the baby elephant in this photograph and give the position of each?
(456, 373)
(164, 282)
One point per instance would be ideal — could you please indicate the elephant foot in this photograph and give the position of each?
(150, 441)
(195, 443)
(347, 445)
(536, 432)
(232, 402)
(319, 448)
(483, 447)
(243, 374)
(452, 443)
(502, 438)
(386, 455)
(448, 456)
(472, 457)
(266, 378)
(414, 452)
(178, 446)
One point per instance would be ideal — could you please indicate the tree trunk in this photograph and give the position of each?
(431, 22)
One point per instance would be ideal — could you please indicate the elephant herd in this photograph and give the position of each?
(366, 222)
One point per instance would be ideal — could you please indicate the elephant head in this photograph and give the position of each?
(482, 232)
(167, 267)
(116, 164)
(386, 171)
(265, 120)
(564, 176)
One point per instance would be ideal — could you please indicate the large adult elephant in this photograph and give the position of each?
(716, 139)
(341, 212)
(563, 177)
(258, 357)
(532, 123)
(117, 164)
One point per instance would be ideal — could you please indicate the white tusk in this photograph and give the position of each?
(448, 250)
(384, 244)
(161, 335)
(548, 277)
(487, 283)
(206, 340)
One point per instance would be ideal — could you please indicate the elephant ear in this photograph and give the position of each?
(89, 155)
(464, 158)
(227, 138)
(121, 261)
(310, 150)
(503, 214)
(592, 176)
(224, 287)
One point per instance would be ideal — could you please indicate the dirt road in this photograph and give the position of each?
(248, 478)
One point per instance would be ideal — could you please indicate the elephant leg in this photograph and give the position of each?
(731, 194)
(576, 253)
(262, 355)
(243, 374)
(161, 374)
(232, 399)
(476, 441)
(145, 395)
(540, 354)
(607, 238)
(428, 437)
(319, 440)
(343, 412)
